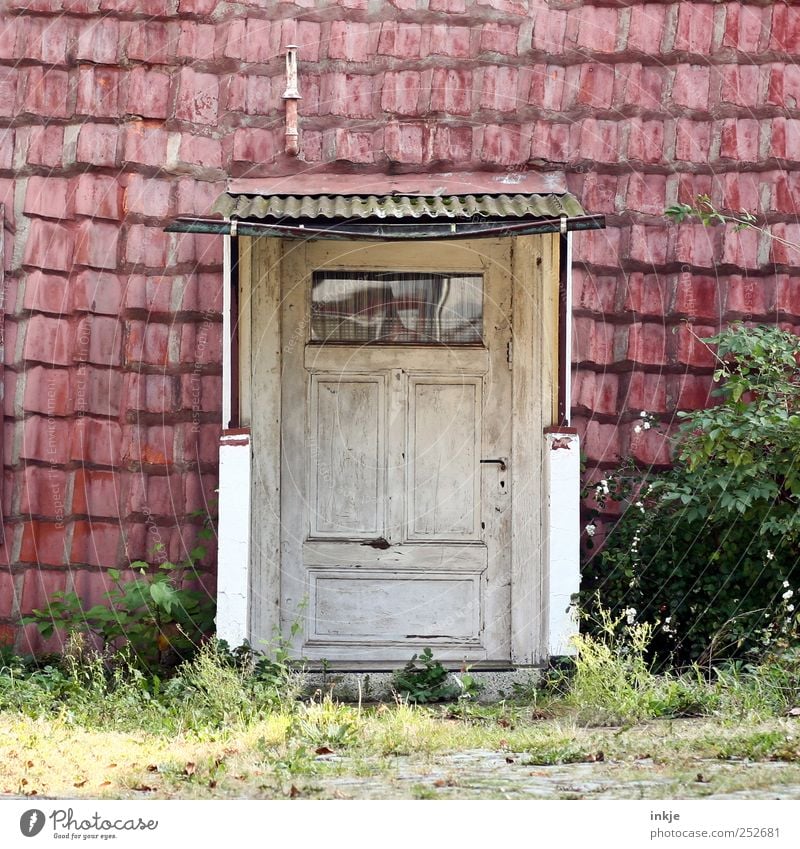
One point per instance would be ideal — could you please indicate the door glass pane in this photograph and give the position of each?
(397, 308)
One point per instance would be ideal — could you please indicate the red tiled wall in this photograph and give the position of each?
(115, 116)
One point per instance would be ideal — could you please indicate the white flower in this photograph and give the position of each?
(637, 429)
(770, 555)
(646, 425)
(786, 583)
(788, 594)
(630, 615)
(790, 608)
(643, 414)
(638, 504)
(590, 530)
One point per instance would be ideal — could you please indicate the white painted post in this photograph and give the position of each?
(226, 331)
(562, 482)
(233, 570)
(568, 335)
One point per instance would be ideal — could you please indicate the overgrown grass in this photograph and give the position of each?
(226, 725)
(215, 689)
(612, 681)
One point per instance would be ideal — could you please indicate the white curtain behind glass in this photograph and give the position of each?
(397, 308)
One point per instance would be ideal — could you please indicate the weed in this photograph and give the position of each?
(773, 745)
(267, 756)
(185, 725)
(326, 724)
(291, 761)
(403, 729)
(218, 687)
(614, 683)
(423, 679)
(423, 792)
(610, 684)
(530, 690)
(556, 749)
(468, 685)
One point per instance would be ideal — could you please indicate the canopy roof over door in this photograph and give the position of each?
(396, 207)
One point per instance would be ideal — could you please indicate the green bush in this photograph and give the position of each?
(157, 614)
(708, 551)
(424, 679)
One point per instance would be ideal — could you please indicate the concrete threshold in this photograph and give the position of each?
(496, 685)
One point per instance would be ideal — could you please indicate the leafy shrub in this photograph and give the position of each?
(708, 551)
(157, 614)
(424, 679)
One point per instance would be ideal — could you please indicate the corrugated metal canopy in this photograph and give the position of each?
(452, 205)
(502, 206)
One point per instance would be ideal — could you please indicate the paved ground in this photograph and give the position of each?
(484, 774)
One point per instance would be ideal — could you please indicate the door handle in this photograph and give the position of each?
(500, 461)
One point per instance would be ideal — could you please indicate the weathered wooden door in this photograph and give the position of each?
(396, 439)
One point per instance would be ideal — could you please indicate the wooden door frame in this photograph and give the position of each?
(535, 317)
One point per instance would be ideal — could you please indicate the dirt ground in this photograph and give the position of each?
(411, 755)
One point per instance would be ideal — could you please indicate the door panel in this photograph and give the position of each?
(386, 357)
(410, 556)
(347, 455)
(394, 535)
(444, 458)
(378, 607)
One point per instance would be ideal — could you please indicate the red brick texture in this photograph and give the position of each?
(116, 116)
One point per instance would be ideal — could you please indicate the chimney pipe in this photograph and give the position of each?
(291, 96)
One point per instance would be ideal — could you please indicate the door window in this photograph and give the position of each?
(397, 308)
